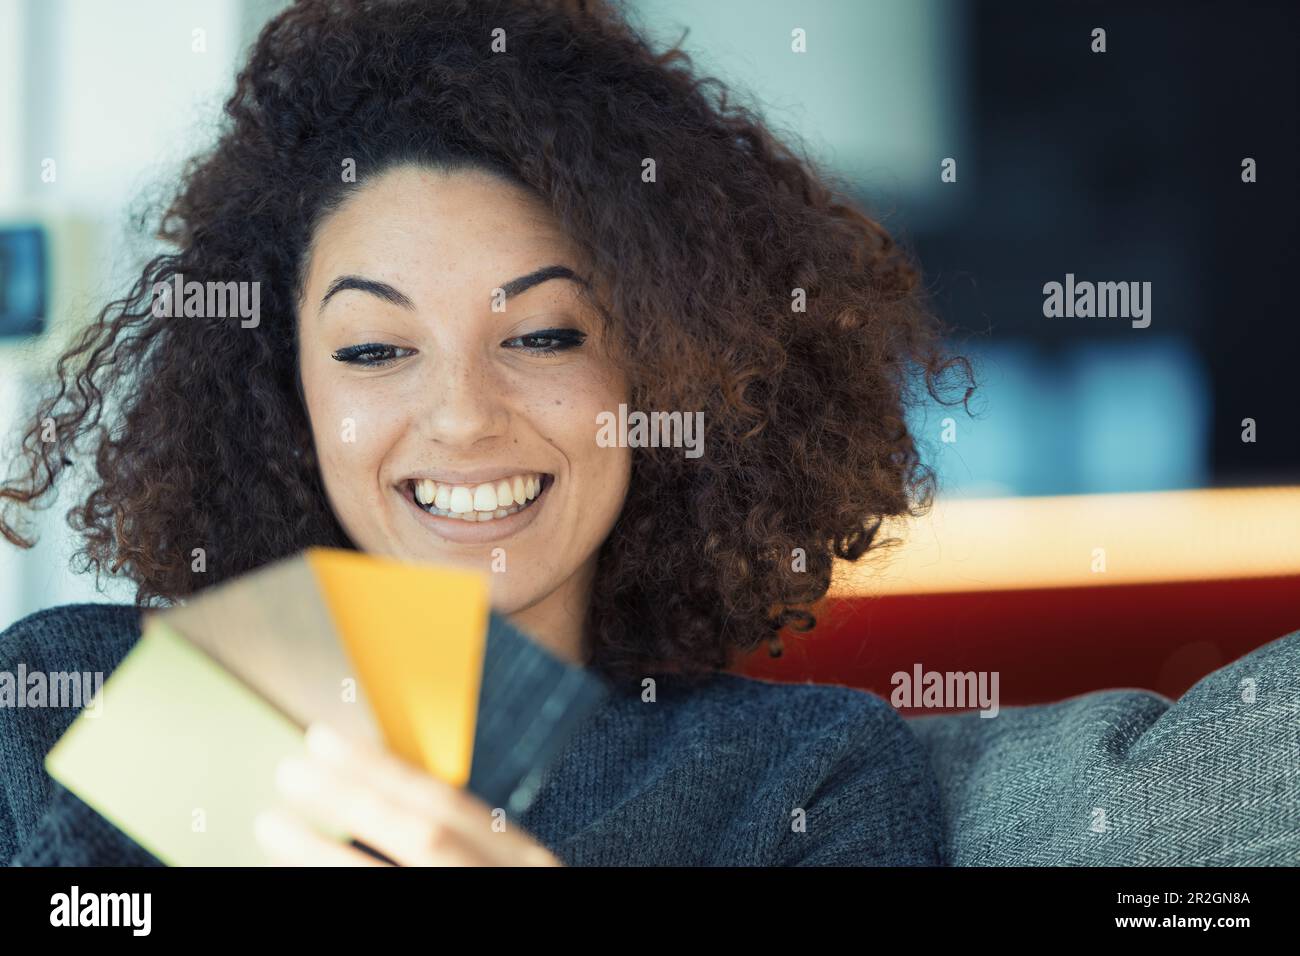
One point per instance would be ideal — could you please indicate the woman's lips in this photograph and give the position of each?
(460, 531)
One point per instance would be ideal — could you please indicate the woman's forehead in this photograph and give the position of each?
(439, 223)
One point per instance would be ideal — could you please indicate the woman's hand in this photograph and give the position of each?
(412, 818)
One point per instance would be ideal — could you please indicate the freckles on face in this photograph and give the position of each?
(351, 427)
(454, 373)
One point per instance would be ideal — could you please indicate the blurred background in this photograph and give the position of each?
(1119, 166)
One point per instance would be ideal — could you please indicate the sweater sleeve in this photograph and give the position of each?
(81, 639)
(26, 733)
(872, 800)
(8, 836)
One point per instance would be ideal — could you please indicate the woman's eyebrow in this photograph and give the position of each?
(372, 286)
(389, 294)
(544, 274)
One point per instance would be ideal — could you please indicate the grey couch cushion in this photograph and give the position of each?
(1128, 777)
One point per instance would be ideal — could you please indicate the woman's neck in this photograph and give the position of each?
(558, 621)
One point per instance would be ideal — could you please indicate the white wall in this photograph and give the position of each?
(876, 95)
(11, 32)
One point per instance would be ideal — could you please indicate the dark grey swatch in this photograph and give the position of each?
(530, 703)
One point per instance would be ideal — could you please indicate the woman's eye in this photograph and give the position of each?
(547, 341)
(371, 354)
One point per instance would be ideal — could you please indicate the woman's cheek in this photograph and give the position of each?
(602, 472)
(352, 437)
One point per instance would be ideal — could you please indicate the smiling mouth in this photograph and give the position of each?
(489, 501)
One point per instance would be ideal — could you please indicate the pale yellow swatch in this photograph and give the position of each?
(181, 757)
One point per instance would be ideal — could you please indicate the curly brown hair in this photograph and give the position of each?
(808, 447)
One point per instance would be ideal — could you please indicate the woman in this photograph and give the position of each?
(471, 235)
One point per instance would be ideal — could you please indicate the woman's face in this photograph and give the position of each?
(453, 389)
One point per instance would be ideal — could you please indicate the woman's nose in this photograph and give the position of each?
(462, 403)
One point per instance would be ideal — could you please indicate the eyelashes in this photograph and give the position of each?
(544, 342)
(549, 341)
(371, 354)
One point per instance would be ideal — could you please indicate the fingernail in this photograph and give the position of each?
(266, 826)
(324, 740)
(289, 774)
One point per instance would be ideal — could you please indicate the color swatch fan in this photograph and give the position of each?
(181, 754)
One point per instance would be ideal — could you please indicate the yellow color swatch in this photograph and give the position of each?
(416, 635)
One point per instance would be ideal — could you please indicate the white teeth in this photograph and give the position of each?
(485, 498)
(505, 497)
(461, 499)
(483, 502)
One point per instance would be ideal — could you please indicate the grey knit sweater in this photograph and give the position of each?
(732, 772)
